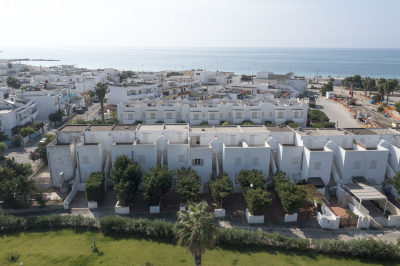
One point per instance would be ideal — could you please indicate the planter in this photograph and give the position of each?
(291, 217)
(182, 206)
(252, 219)
(92, 205)
(221, 212)
(121, 210)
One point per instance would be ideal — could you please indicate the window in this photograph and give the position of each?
(197, 162)
(196, 117)
(238, 161)
(130, 116)
(317, 166)
(169, 115)
(197, 140)
(280, 114)
(296, 114)
(181, 158)
(212, 116)
(238, 115)
(373, 165)
(152, 116)
(357, 164)
(254, 115)
(295, 160)
(256, 161)
(142, 159)
(85, 159)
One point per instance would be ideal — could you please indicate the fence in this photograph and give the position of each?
(348, 221)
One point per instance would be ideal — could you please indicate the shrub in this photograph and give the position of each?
(16, 140)
(248, 123)
(27, 131)
(127, 176)
(292, 124)
(94, 187)
(258, 201)
(317, 116)
(269, 123)
(156, 183)
(380, 109)
(291, 196)
(351, 213)
(203, 124)
(254, 177)
(221, 188)
(226, 123)
(188, 185)
(397, 106)
(324, 125)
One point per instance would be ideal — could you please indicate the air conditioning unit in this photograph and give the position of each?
(278, 124)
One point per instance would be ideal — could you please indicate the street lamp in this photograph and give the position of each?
(251, 187)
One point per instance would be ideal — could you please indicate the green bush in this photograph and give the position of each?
(324, 125)
(364, 247)
(226, 123)
(204, 124)
(351, 213)
(380, 109)
(258, 201)
(254, 177)
(269, 123)
(221, 189)
(188, 185)
(317, 116)
(248, 123)
(292, 124)
(156, 183)
(292, 197)
(94, 187)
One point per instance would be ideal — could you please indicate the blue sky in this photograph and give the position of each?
(201, 23)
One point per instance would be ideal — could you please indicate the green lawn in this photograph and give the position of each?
(68, 247)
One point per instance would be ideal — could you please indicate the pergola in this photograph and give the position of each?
(365, 192)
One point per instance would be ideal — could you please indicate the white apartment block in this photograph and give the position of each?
(14, 115)
(286, 81)
(214, 112)
(328, 156)
(216, 77)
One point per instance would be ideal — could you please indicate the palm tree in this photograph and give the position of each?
(390, 86)
(382, 88)
(100, 91)
(195, 230)
(368, 83)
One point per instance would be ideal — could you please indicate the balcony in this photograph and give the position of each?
(34, 114)
(23, 121)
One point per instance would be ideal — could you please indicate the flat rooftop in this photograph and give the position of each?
(359, 131)
(151, 127)
(227, 129)
(124, 128)
(320, 132)
(279, 129)
(254, 129)
(176, 126)
(200, 129)
(71, 128)
(101, 127)
(384, 131)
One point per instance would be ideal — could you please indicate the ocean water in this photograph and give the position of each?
(302, 61)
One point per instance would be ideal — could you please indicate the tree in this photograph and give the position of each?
(55, 117)
(331, 79)
(127, 176)
(382, 88)
(291, 196)
(3, 149)
(3, 136)
(17, 192)
(196, 231)
(225, 123)
(24, 169)
(258, 201)
(9, 65)
(13, 82)
(390, 86)
(94, 187)
(254, 177)
(396, 183)
(100, 91)
(221, 188)
(326, 87)
(188, 185)
(16, 140)
(369, 83)
(26, 131)
(40, 152)
(156, 183)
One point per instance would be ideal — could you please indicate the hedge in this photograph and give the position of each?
(94, 187)
(364, 247)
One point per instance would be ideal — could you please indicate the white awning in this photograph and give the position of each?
(365, 192)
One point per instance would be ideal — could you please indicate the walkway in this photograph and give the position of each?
(79, 201)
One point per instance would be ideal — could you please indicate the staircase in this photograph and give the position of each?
(269, 180)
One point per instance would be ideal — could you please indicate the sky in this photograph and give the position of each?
(200, 23)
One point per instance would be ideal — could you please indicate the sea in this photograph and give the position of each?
(308, 62)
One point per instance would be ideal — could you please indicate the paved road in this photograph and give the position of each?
(335, 111)
(91, 112)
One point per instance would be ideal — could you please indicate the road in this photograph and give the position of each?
(92, 112)
(335, 111)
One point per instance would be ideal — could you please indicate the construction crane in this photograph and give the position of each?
(352, 100)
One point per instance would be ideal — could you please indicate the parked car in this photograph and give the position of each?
(96, 100)
(80, 111)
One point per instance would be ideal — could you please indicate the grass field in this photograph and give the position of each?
(69, 247)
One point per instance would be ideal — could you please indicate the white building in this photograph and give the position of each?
(214, 112)
(132, 92)
(298, 84)
(14, 115)
(216, 77)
